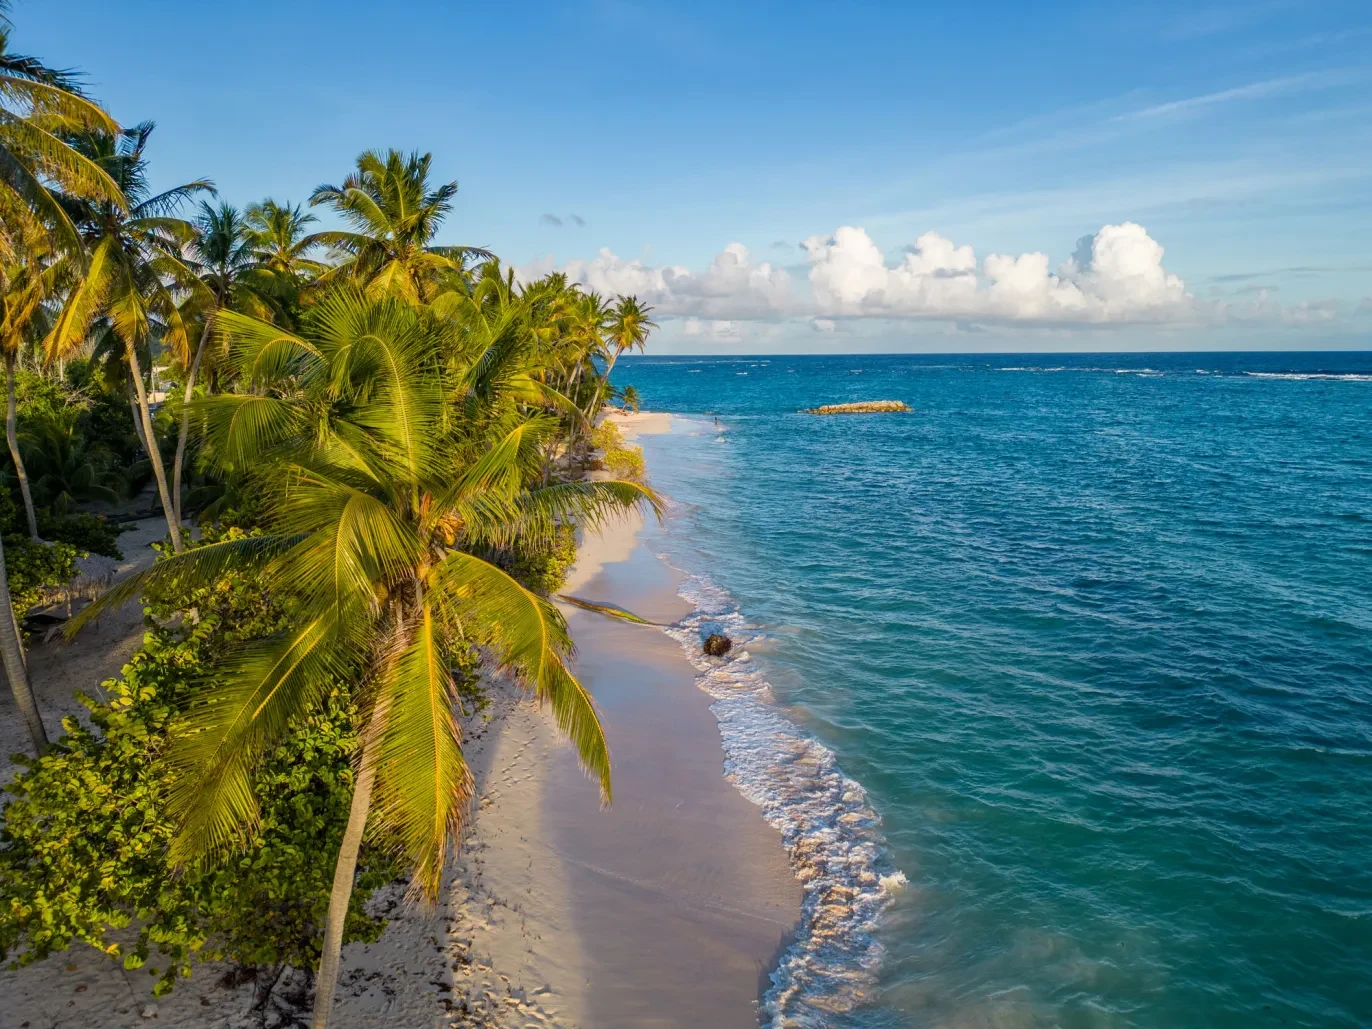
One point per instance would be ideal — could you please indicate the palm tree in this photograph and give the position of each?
(23, 291)
(232, 276)
(39, 108)
(588, 320)
(381, 488)
(396, 216)
(16, 670)
(629, 400)
(25, 283)
(278, 237)
(628, 330)
(67, 466)
(135, 263)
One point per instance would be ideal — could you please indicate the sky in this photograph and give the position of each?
(804, 176)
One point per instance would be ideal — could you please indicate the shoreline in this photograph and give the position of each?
(670, 908)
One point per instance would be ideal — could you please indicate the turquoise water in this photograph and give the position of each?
(1093, 633)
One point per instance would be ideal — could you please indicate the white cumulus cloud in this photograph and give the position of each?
(732, 286)
(1115, 276)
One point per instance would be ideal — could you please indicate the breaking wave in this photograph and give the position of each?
(830, 831)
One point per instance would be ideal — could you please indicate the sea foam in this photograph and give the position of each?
(830, 831)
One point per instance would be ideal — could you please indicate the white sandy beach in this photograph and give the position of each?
(667, 909)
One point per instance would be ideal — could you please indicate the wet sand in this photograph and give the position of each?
(680, 892)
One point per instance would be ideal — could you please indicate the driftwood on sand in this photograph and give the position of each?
(863, 407)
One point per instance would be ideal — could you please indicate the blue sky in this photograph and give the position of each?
(1236, 136)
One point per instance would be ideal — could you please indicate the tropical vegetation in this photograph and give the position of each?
(369, 449)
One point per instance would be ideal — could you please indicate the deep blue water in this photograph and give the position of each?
(1094, 633)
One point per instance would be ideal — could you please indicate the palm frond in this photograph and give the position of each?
(530, 637)
(608, 610)
(423, 784)
(216, 744)
(198, 565)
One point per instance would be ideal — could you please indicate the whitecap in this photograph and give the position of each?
(830, 831)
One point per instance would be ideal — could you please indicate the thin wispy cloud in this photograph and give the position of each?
(1267, 88)
(1304, 269)
(1217, 19)
(1314, 41)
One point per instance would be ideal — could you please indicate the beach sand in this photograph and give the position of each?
(667, 909)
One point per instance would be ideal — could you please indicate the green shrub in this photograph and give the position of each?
(34, 569)
(606, 436)
(83, 531)
(626, 463)
(543, 569)
(84, 840)
(621, 460)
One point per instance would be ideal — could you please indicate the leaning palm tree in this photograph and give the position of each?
(16, 669)
(381, 491)
(135, 264)
(628, 330)
(39, 108)
(395, 215)
(26, 280)
(21, 296)
(587, 322)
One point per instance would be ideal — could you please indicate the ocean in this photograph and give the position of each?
(1059, 687)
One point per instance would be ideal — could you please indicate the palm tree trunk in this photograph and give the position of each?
(186, 420)
(159, 471)
(12, 653)
(137, 418)
(572, 384)
(343, 874)
(13, 440)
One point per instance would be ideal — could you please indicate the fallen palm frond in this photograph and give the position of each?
(608, 610)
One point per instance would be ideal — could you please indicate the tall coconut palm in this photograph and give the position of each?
(588, 320)
(230, 272)
(380, 488)
(25, 284)
(628, 329)
(395, 215)
(21, 295)
(135, 264)
(16, 669)
(279, 237)
(39, 108)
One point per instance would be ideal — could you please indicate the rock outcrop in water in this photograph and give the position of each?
(717, 645)
(863, 407)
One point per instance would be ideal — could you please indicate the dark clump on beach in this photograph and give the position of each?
(717, 645)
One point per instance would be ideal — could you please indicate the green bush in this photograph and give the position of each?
(34, 569)
(83, 531)
(626, 463)
(542, 569)
(84, 840)
(621, 460)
